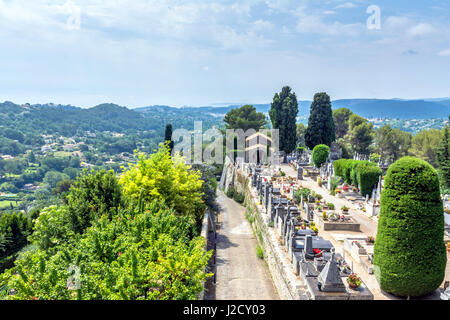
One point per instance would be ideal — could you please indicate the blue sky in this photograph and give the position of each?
(173, 52)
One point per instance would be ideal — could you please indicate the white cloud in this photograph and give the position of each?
(421, 29)
(347, 5)
(444, 53)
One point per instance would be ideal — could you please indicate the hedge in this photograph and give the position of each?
(320, 154)
(409, 254)
(367, 176)
(354, 169)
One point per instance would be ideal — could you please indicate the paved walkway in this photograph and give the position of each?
(241, 275)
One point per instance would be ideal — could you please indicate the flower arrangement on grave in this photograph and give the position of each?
(448, 246)
(345, 188)
(317, 253)
(370, 240)
(315, 229)
(317, 201)
(354, 281)
(355, 189)
(447, 211)
(345, 209)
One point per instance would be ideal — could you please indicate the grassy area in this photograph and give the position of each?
(6, 204)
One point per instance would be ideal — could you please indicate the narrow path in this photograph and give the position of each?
(241, 275)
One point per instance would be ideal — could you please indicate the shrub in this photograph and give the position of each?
(409, 249)
(367, 177)
(320, 155)
(259, 252)
(305, 192)
(339, 167)
(334, 182)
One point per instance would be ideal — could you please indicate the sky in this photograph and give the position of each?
(202, 52)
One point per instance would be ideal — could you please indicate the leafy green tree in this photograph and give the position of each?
(341, 118)
(166, 179)
(409, 252)
(144, 255)
(93, 195)
(321, 124)
(424, 144)
(392, 143)
(283, 115)
(443, 159)
(361, 134)
(245, 118)
(320, 154)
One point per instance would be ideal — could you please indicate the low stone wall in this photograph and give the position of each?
(206, 226)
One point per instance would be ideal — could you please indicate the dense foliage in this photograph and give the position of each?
(245, 118)
(367, 177)
(321, 128)
(283, 114)
(110, 244)
(443, 159)
(320, 154)
(168, 179)
(410, 252)
(14, 231)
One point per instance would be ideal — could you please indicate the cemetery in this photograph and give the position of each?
(304, 263)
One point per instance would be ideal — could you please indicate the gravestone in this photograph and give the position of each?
(300, 173)
(308, 252)
(330, 278)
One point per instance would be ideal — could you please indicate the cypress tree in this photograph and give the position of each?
(283, 114)
(168, 137)
(409, 254)
(320, 124)
(443, 159)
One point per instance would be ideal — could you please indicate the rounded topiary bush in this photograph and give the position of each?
(409, 254)
(320, 155)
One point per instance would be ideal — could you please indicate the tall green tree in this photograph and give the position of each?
(321, 128)
(168, 137)
(245, 118)
(301, 130)
(443, 159)
(360, 135)
(424, 144)
(341, 117)
(283, 114)
(409, 252)
(392, 143)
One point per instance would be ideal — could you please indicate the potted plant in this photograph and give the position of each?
(315, 229)
(324, 216)
(370, 240)
(354, 281)
(331, 206)
(345, 209)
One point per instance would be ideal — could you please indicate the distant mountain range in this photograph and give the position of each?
(368, 108)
